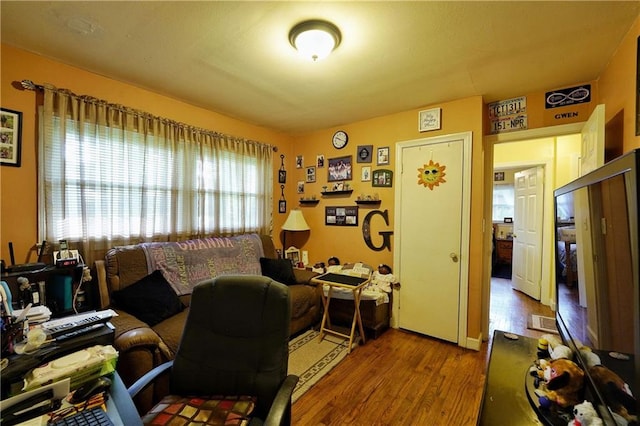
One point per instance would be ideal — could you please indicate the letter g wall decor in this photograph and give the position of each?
(386, 235)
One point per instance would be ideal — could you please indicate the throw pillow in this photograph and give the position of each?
(151, 299)
(280, 270)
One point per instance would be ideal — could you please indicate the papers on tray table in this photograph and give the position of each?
(36, 314)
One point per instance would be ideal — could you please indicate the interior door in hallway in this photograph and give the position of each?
(527, 235)
(432, 226)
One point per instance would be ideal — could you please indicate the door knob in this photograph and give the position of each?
(453, 257)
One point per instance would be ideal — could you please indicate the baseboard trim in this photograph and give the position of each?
(474, 344)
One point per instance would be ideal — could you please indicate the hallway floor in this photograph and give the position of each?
(510, 309)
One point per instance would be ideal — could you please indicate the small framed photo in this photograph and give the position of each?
(508, 220)
(282, 176)
(382, 178)
(365, 174)
(339, 169)
(301, 187)
(282, 206)
(320, 161)
(10, 137)
(429, 119)
(338, 186)
(311, 174)
(293, 254)
(498, 176)
(383, 156)
(299, 161)
(365, 152)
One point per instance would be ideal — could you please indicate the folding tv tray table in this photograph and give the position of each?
(355, 284)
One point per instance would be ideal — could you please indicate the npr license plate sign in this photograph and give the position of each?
(508, 116)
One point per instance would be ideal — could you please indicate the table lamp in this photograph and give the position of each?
(295, 222)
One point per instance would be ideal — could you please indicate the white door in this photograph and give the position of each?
(592, 152)
(432, 235)
(591, 157)
(527, 231)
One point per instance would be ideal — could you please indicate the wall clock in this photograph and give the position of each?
(340, 139)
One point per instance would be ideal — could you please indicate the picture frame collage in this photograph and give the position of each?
(341, 169)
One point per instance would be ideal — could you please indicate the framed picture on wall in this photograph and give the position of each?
(341, 216)
(383, 178)
(10, 137)
(429, 119)
(339, 169)
(383, 156)
(365, 174)
(364, 153)
(311, 174)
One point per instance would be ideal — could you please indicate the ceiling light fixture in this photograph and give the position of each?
(315, 39)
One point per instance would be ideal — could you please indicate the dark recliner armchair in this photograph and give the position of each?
(232, 361)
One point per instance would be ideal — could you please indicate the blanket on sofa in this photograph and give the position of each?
(185, 264)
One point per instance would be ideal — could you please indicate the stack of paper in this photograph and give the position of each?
(36, 314)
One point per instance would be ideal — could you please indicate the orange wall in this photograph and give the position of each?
(617, 86)
(18, 185)
(347, 242)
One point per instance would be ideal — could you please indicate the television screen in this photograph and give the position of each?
(597, 284)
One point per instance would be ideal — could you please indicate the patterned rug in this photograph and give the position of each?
(311, 360)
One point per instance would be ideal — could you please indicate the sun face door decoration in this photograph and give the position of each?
(431, 175)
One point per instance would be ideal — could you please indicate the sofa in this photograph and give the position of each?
(148, 330)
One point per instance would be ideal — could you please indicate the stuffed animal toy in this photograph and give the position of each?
(590, 358)
(616, 392)
(555, 347)
(563, 382)
(585, 415)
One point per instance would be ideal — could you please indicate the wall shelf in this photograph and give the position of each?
(342, 192)
(309, 202)
(368, 201)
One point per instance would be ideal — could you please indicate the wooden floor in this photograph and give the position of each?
(404, 378)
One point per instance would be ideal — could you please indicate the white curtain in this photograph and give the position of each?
(110, 175)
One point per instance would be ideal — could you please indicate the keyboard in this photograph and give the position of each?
(93, 417)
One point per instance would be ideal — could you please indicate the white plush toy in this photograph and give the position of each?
(556, 349)
(585, 415)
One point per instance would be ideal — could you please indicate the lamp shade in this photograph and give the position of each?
(295, 222)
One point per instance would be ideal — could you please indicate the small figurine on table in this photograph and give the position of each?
(25, 291)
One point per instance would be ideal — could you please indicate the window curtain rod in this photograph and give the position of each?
(30, 85)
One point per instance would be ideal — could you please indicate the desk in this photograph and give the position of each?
(47, 275)
(120, 406)
(355, 284)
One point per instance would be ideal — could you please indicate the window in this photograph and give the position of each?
(117, 184)
(503, 202)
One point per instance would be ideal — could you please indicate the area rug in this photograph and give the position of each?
(546, 324)
(311, 360)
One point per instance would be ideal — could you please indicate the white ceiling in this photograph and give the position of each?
(234, 56)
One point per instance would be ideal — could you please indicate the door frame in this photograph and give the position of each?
(466, 138)
(488, 142)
